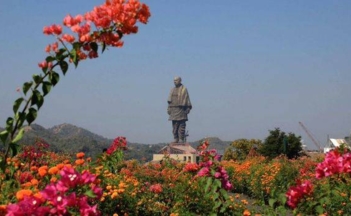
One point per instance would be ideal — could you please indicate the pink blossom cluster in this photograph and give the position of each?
(296, 193)
(334, 163)
(120, 143)
(65, 194)
(112, 20)
(208, 165)
(156, 188)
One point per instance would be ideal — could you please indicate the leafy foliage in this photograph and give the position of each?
(278, 142)
(240, 148)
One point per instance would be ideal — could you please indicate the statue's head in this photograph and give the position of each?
(177, 81)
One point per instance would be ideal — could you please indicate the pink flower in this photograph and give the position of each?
(43, 64)
(53, 29)
(227, 185)
(117, 144)
(217, 175)
(205, 171)
(68, 38)
(295, 194)
(28, 206)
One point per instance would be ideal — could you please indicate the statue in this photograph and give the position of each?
(179, 106)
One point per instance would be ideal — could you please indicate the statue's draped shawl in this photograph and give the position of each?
(179, 103)
(183, 97)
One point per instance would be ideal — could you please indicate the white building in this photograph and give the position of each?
(177, 151)
(334, 143)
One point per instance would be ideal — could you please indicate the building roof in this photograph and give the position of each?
(337, 142)
(178, 148)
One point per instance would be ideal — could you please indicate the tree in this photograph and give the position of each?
(240, 148)
(278, 142)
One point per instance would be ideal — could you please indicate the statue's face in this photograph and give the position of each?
(177, 81)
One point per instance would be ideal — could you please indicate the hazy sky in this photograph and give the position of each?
(249, 66)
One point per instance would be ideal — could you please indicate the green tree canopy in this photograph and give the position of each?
(278, 142)
(240, 148)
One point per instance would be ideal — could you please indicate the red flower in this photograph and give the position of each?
(156, 188)
(191, 167)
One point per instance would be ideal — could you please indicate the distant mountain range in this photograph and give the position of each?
(69, 138)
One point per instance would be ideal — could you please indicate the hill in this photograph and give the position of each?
(69, 138)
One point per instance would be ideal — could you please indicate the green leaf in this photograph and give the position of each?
(319, 209)
(50, 59)
(282, 198)
(76, 45)
(215, 196)
(26, 87)
(18, 136)
(74, 57)
(37, 99)
(59, 54)
(14, 148)
(271, 202)
(90, 194)
(17, 104)
(32, 115)
(103, 47)
(20, 118)
(9, 124)
(46, 87)
(54, 78)
(217, 183)
(64, 66)
(3, 136)
(217, 205)
(223, 208)
(208, 183)
(224, 193)
(94, 46)
(36, 78)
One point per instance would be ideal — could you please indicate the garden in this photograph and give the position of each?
(39, 182)
(36, 181)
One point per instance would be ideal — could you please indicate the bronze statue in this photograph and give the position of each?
(179, 106)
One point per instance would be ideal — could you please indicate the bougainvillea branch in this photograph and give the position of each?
(92, 32)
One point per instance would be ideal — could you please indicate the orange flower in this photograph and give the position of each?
(53, 170)
(80, 155)
(246, 213)
(22, 193)
(34, 182)
(60, 166)
(80, 161)
(26, 185)
(43, 170)
(33, 168)
(39, 196)
(2, 209)
(53, 179)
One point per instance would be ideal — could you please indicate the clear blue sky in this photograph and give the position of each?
(249, 66)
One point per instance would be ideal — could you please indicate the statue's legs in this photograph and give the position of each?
(179, 130)
(175, 125)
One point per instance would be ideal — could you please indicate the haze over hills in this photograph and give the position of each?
(69, 138)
